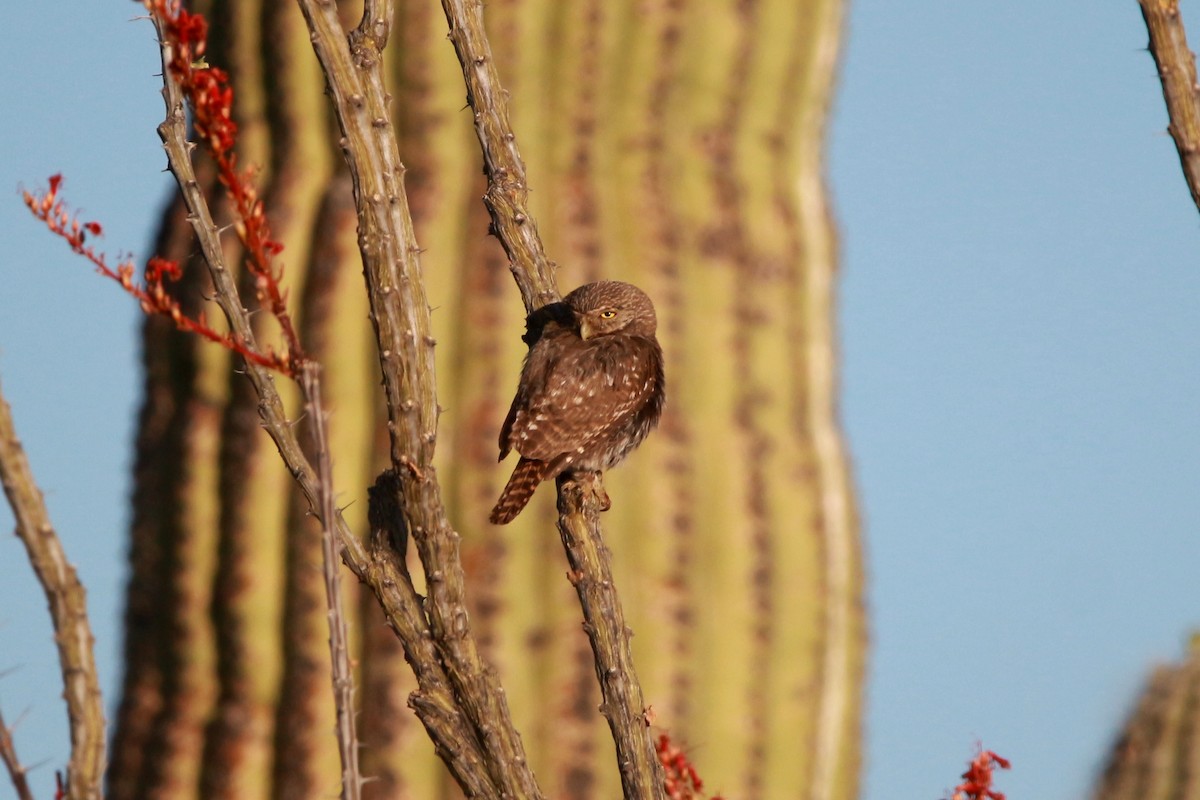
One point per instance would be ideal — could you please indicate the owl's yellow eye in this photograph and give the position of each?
(608, 314)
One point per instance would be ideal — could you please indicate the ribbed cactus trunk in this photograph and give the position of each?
(674, 144)
(1157, 754)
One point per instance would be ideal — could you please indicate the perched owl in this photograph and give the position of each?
(591, 389)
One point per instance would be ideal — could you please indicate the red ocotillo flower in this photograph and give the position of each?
(977, 780)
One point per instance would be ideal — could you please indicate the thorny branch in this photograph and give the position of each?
(1177, 70)
(339, 647)
(16, 770)
(462, 739)
(508, 187)
(400, 314)
(68, 610)
(183, 38)
(579, 517)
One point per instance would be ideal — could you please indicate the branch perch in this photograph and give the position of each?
(68, 611)
(1181, 90)
(579, 521)
(400, 313)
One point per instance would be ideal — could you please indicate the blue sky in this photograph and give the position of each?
(1021, 363)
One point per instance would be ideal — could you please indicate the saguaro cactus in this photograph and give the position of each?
(674, 144)
(1156, 753)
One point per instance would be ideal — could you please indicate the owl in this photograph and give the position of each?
(591, 389)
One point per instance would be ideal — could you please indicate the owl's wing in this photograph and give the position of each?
(551, 338)
(506, 438)
(579, 396)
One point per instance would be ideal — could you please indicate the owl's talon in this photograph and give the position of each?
(602, 497)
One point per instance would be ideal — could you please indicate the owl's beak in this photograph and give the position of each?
(585, 328)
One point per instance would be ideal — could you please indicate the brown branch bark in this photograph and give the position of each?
(604, 623)
(434, 701)
(1181, 90)
(436, 708)
(68, 611)
(400, 314)
(579, 524)
(339, 651)
(16, 770)
(508, 187)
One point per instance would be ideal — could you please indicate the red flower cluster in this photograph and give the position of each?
(681, 780)
(208, 93)
(977, 780)
(153, 294)
(208, 89)
(210, 96)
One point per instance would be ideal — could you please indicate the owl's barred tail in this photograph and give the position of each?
(520, 488)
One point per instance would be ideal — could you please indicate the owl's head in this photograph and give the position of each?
(607, 307)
